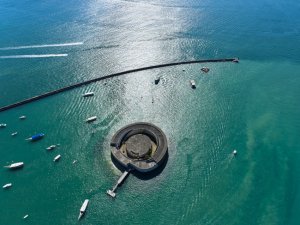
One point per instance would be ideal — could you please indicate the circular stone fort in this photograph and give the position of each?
(139, 146)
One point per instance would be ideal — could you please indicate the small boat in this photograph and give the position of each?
(22, 117)
(88, 94)
(6, 186)
(193, 84)
(24, 217)
(205, 69)
(75, 161)
(14, 134)
(2, 125)
(51, 147)
(56, 158)
(91, 119)
(36, 137)
(15, 165)
(236, 60)
(156, 81)
(83, 208)
(234, 152)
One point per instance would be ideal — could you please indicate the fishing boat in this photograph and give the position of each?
(36, 137)
(14, 134)
(56, 158)
(193, 84)
(51, 147)
(88, 94)
(15, 165)
(2, 125)
(83, 208)
(156, 81)
(6, 186)
(91, 119)
(22, 117)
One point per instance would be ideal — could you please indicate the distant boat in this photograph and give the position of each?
(156, 81)
(88, 94)
(91, 119)
(14, 134)
(2, 125)
(234, 152)
(56, 158)
(83, 208)
(205, 69)
(193, 84)
(6, 186)
(15, 165)
(236, 60)
(36, 137)
(75, 161)
(24, 217)
(51, 147)
(22, 117)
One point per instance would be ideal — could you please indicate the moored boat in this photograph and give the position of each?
(2, 125)
(15, 165)
(14, 134)
(193, 84)
(51, 147)
(205, 69)
(91, 119)
(83, 208)
(22, 117)
(6, 186)
(56, 158)
(88, 94)
(36, 137)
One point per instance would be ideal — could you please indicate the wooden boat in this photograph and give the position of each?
(88, 94)
(15, 165)
(56, 158)
(83, 208)
(91, 119)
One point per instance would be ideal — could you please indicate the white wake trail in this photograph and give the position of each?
(41, 46)
(32, 56)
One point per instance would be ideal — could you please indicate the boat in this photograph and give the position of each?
(88, 94)
(22, 117)
(75, 161)
(193, 84)
(51, 147)
(15, 165)
(14, 134)
(236, 60)
(2, 125)
(234, 152)
(205, 69)
(83, 208)
(36, 137)
(91, 119)
(56, 158)
(6, 186)
(24, 217)
(156, 81)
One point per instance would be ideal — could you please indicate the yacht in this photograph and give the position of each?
(22, 117)
(83, 208)
(56, 158)
(88, 94)
(91, 119)
(6, 186)
(15, 165)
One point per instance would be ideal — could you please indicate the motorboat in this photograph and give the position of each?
(83, 208)
(51, 147)
(2, 125)
(205, 69)
(24, 217)
(56, 158)
(75, 161)
(22, 117)
(91, 119)
(156, 81)
(15, 165)
(88, 94)
(6, 186)
(236, 60)
(14, 134)
(36, 137)
(193, 84)
(234, 152)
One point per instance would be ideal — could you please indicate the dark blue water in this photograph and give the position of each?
(251, 106)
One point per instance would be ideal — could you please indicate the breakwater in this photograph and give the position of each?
(38, 97)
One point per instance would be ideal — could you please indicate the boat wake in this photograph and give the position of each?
(41, 46)
(32, 56)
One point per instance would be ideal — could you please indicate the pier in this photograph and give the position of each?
(47, 94)
(112, 192)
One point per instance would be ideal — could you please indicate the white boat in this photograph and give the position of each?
(14, 134)
(15, 165)
(24, 217)
(6, 186)
(22, 117)
(234, 152)
(91, 119)
(56, 158)
(3, 125)
(88, 94)
(83, 208)
(75, 161)
(193, 84)
(51, 147)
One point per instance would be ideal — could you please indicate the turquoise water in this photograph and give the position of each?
(251, 106)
